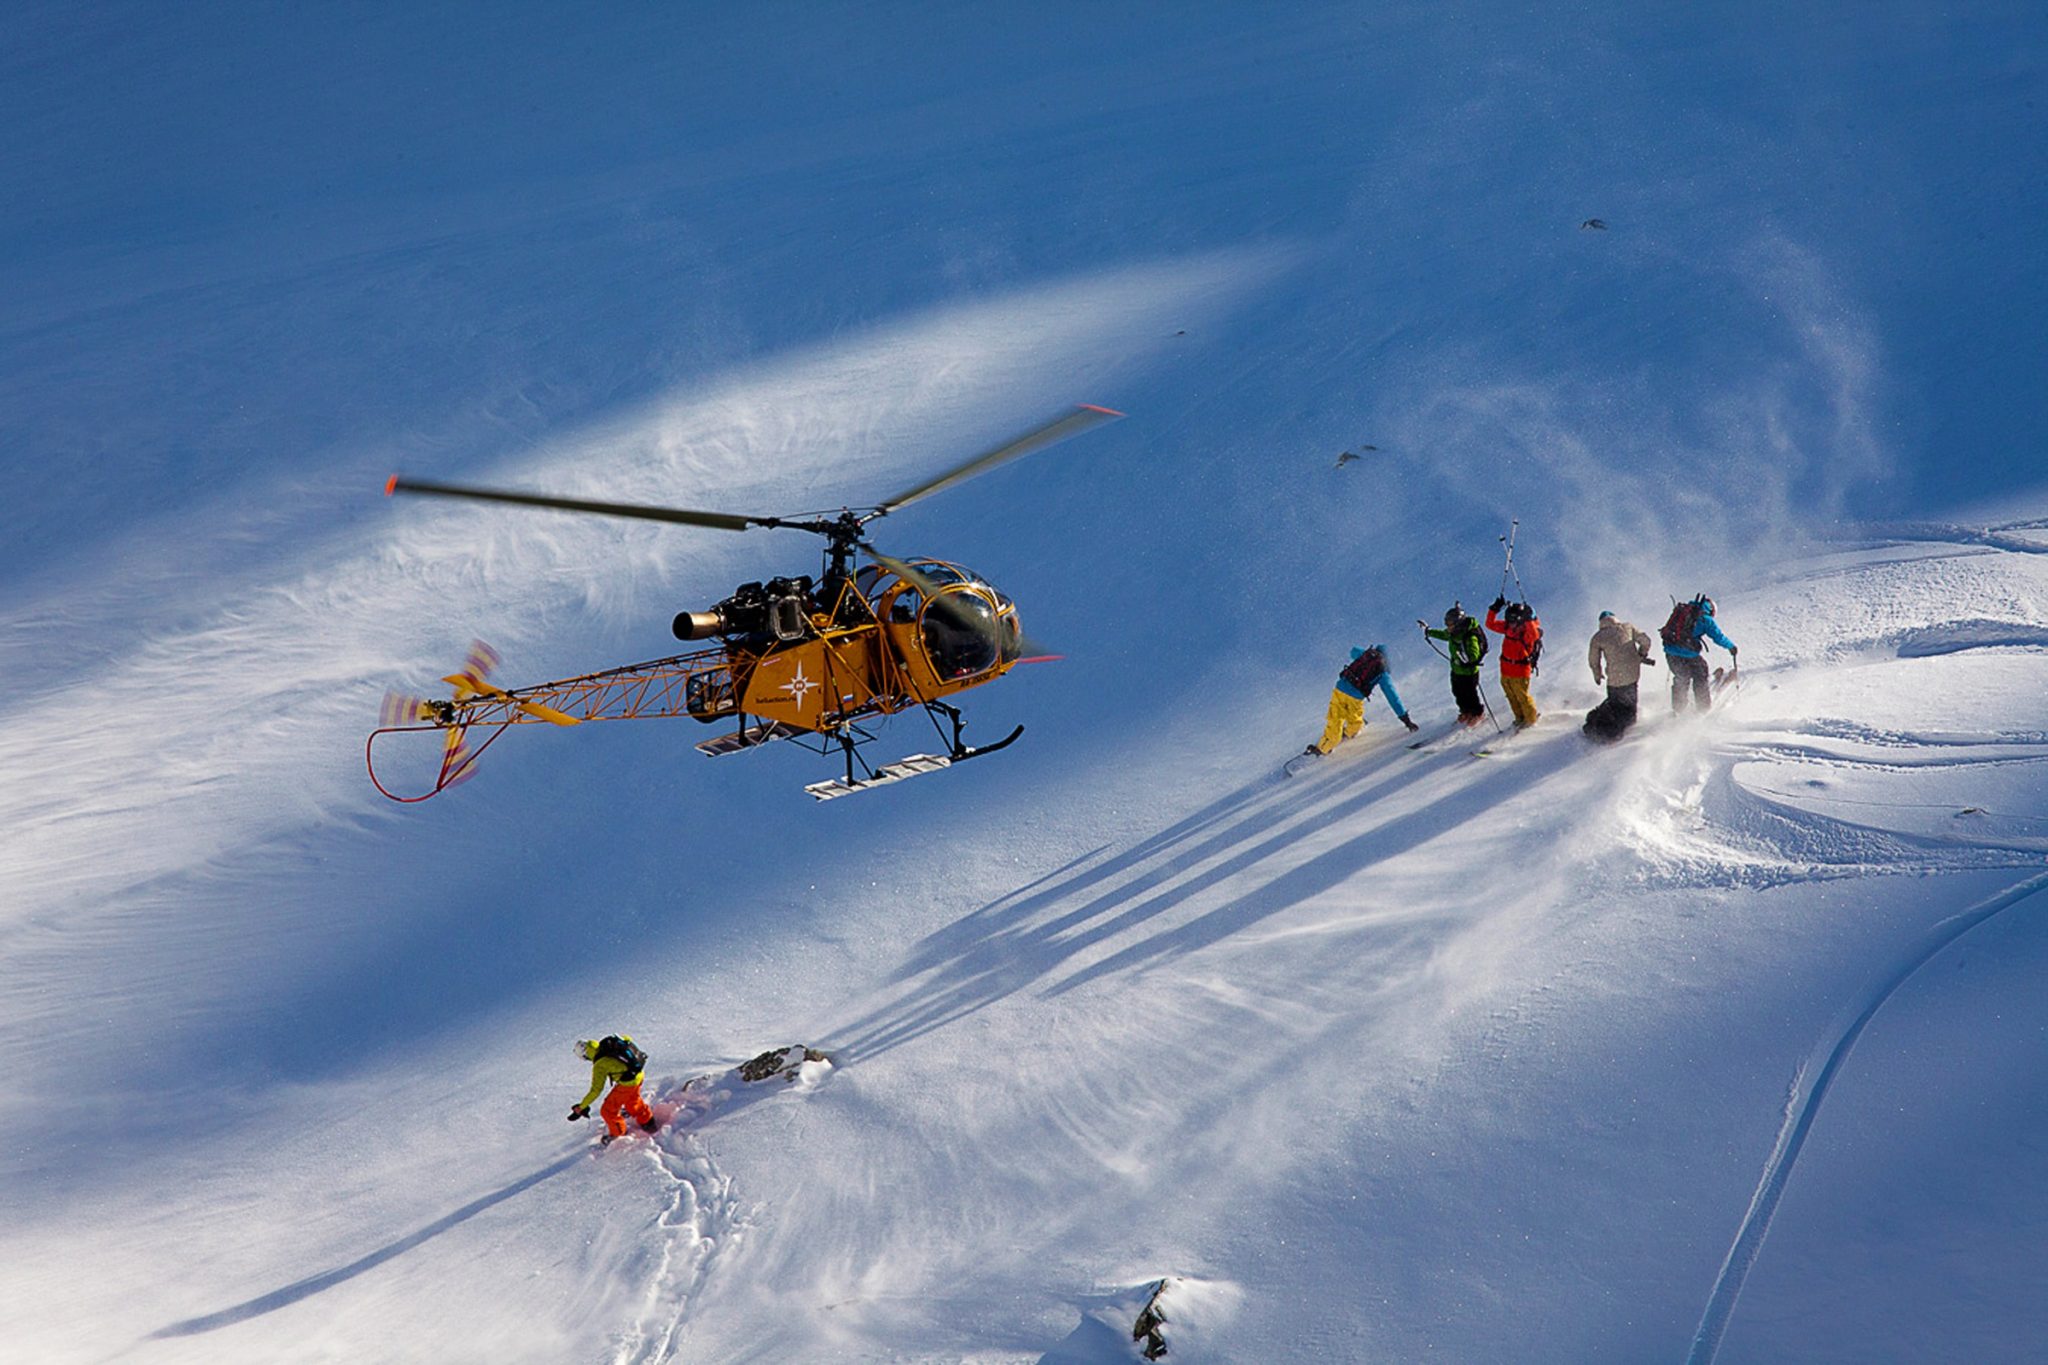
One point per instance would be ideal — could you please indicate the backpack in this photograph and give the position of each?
(1536, 645)
(1682, 628)
(623, 1050)
(1363, 671)
(1472, 629)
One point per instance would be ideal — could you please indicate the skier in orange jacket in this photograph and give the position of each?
(1521, 643)
(618, 1059)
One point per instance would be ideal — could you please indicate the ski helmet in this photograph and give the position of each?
(586, 1048)
(1453, 616)
(1518, 612)
(1706, 604)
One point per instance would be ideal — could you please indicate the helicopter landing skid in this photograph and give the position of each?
(916, 765)
(753, 736)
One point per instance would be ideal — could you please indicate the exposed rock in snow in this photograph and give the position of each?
(790, 1063)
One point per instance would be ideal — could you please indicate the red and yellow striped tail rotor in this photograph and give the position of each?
(458, 760)
(400, 709)
(473, 679)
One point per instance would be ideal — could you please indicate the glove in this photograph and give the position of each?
(1649, 662)
(581, 1111)
(1409, 721)
(1498, 603)
(1734, 653)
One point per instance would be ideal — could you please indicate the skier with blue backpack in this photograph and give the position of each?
(1685, 635)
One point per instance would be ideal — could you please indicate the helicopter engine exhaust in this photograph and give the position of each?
(698, 625)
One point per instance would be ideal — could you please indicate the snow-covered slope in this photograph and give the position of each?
(1719, 1042)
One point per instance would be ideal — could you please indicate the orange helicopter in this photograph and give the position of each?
(800, 658)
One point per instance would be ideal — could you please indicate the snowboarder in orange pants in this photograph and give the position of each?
(617, 1059)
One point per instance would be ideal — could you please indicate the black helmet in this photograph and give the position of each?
(1519, 612)
(1453, 616)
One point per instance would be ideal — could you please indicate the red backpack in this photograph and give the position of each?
(1363, 671)
(1682, 629)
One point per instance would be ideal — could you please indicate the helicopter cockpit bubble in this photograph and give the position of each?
(960, 633)
(944, 574)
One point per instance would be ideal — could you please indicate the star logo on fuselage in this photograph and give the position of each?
(799, 686)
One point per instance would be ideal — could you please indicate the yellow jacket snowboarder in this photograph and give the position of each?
(617, 1060)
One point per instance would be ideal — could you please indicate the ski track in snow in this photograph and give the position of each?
(699, 1219)
(1854, 835)
(702, 1215)
(1809, 1087)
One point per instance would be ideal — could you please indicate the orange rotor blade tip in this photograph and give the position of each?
(1097, 407)
(391, 486)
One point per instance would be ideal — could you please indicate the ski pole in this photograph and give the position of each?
(1481, 689)
(1431, 643)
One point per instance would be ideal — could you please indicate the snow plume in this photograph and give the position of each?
(239, 725)
(1645, 474)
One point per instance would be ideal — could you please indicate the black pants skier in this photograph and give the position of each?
(1690, 673)
(1611, 719)
(1465, 688)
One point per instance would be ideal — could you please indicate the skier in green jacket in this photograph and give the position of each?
(1467, 645)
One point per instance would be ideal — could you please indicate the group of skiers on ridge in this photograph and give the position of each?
(1617, 654)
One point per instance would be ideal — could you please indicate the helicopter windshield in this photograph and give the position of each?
(960, 634)
(942, 574)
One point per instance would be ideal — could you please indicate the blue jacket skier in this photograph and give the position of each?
(1359, 679)
(1692, 624)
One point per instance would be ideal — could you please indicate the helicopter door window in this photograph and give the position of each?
(960, 634)
(904, 608)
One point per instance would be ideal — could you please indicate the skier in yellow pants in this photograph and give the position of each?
(1520, 647)
(1366, 671)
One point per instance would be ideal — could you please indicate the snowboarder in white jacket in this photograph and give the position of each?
(1617, 654)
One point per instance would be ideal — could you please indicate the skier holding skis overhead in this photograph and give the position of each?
(1366, 671)
(1685, 634)
(1520, 647)
(1467, 645)
(617, 1059)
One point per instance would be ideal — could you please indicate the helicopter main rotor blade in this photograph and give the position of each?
(717, 521)
(1079, 420)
